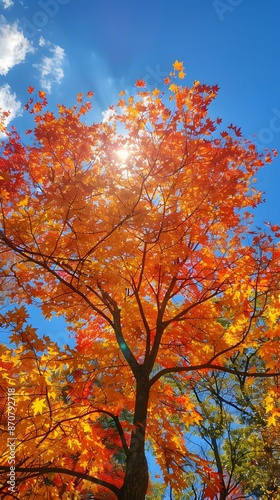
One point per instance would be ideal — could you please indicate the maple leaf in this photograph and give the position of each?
(156, 92)
(30, 89)
(178, 66)
(38, 405)
(173, 87)
(224, 134)
(272, 420)
(140, 83)
(236, 130)
(37, 107)
(181, 75)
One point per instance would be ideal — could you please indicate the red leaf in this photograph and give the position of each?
(140, 83)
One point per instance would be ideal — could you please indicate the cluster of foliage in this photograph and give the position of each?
(138, 230)
(234, 435)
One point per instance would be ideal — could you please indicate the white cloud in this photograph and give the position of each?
(108, 114)
(43, 42)
(9, 102)
(7, 3)
(13, 46)
(51, 68)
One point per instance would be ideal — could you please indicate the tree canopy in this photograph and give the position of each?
(139, 231)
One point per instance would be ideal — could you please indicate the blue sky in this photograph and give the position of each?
(71, 46)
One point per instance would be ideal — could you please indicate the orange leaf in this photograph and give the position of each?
(140, 83)
(173, 87)
(178, 66)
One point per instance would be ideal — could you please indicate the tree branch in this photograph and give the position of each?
(208, 366)
(61, 470)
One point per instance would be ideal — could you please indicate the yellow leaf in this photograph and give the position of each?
(38, 405)
(269, 403)
(178, 66)
(87, 428)
(73, 445)
(173, 87)
(52, 394)
(271, 420)
(156, 92)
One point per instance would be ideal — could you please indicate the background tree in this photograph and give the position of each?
(234, 435)
(138, 231)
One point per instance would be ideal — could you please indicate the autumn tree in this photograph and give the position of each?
(235, 436)
(138, 230)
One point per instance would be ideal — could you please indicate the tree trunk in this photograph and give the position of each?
(136, 476)
(223, 489)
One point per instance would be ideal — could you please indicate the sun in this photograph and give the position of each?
(123, 154)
